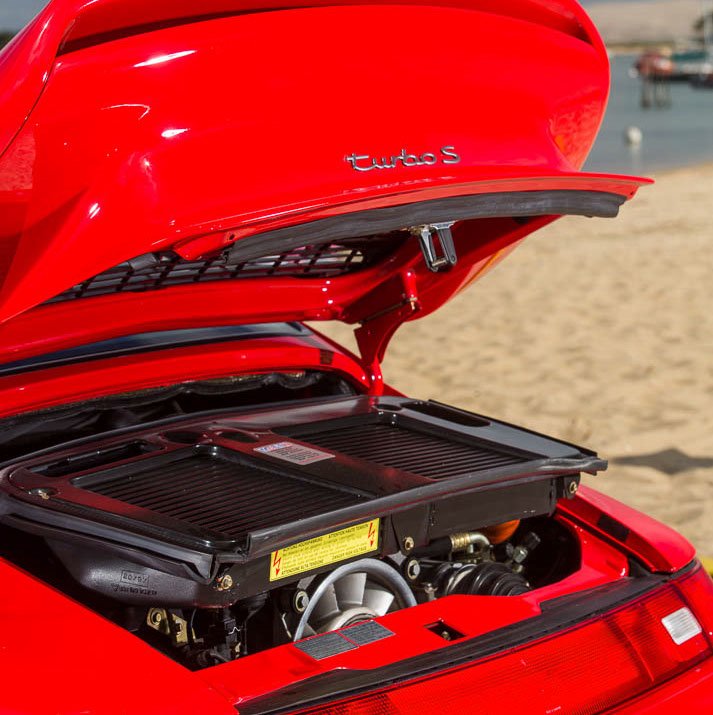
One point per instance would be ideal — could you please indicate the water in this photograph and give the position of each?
(677, 136)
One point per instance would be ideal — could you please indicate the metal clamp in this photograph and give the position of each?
(447, 258)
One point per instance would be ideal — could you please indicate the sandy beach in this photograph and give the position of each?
(646, 21)
(598, 331)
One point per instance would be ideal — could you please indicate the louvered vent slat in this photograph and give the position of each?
(162, 270)
(409, 450)
(226, 497)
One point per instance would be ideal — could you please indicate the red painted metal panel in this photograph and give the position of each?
(57, 656)
(193, 136)
(658, 546)
(73, 383)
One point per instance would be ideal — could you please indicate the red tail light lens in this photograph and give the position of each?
(581, 671)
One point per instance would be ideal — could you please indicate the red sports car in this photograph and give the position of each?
(208, 507)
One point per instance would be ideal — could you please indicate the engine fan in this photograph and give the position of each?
(353, 593)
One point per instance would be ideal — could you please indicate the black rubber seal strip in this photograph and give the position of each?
(154, 342)
(454, 208)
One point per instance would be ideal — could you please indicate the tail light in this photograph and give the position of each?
(581, 671)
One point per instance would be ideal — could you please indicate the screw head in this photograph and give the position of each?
(412, 570)
(408, 544)
(155, 617)
(225, 582)
(572, 488)
(43, 493)
(300, 601)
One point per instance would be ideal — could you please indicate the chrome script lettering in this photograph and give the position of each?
(364, 162)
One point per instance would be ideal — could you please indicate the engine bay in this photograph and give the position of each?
(216, 537)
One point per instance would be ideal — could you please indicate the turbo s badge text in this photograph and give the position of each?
(364, 162)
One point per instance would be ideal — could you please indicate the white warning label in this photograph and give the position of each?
(294, 453)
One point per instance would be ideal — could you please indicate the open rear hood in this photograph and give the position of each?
(215, 162)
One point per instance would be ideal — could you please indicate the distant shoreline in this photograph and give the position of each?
(664, 172)
(636, 48)
(703, 166)
(642, 24)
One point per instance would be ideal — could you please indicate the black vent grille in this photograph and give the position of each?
(162, 270)
(225, 497)
(411, 451)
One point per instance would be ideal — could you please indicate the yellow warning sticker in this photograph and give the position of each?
(324, 550)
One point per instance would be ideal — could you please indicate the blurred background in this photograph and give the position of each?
(600, 331)
(14, 14)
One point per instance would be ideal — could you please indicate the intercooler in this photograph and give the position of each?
(411, 450)
(179, 508)
(219, 496)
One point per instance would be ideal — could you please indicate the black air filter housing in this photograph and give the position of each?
(164, 515)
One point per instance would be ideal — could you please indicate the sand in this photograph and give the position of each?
(597, 331)
(646, 21)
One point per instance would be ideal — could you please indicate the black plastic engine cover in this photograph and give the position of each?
(102, 571)
(195, 513)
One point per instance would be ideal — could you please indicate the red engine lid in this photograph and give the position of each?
(221, 131)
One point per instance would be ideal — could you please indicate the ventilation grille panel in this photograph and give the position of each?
(225, 497)
(411, 451)
(153, 271)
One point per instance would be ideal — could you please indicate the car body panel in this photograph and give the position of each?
(85, 664)
(658, 546)
(42, 389)
(201, 137)
(66, 24)
(408, 289)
